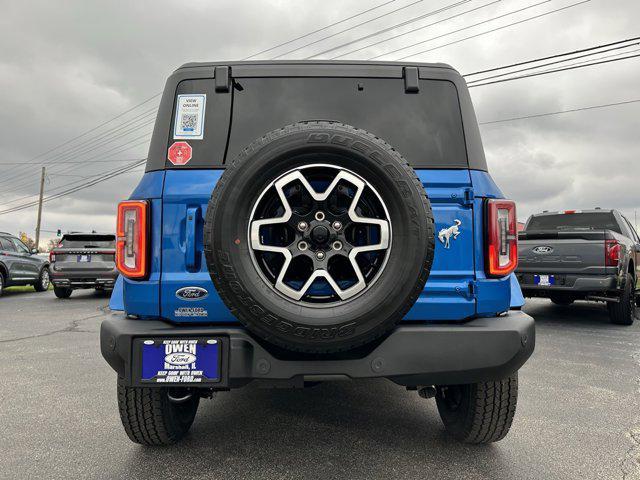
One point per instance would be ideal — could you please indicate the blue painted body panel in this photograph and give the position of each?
(142, 298)
(187, 189)
(116, 302)
(457, 287)
(446, 295)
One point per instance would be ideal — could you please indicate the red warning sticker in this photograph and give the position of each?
(179, 153)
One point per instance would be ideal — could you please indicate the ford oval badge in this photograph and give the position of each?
(542, 249)
(191, 293)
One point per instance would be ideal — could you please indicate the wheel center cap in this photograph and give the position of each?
(320, 234)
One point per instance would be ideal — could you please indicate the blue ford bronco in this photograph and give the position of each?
(302, 222)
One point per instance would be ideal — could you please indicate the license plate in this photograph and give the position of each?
(181, 360)
(84, 258)
(544, 280)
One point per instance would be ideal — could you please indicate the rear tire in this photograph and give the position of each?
(479, 412)
(2, 283)
(44, 280)
(623, 312)
(150, 418)
(62, 292)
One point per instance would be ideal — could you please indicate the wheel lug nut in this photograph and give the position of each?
(302, 226)
(337, 245)
(302, 246)
(319, 216)
(320, 255)
(336, 225)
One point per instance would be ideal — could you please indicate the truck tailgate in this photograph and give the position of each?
(562, 252)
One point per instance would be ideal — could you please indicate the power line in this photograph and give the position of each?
(399, 25)
(92, 144)
(75, 163)
(559, 112)
(136, 162)
(100, 155)
(348, 29)
(96, 127)
(546, 72)
(461, 29)
(74, 189)
(87, 149)
(556, 62)
(550, 57)
(413, 30)
(493, 29)
(318, 30)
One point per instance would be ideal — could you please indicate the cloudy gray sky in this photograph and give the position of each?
(69, 66)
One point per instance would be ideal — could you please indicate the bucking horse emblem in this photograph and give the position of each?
(445, 234)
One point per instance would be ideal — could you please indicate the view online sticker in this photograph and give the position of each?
(189, 122)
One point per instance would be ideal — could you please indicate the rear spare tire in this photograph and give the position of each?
(319, 237)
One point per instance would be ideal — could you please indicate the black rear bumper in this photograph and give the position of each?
(480, 350)
(85, 280)
(572, 284)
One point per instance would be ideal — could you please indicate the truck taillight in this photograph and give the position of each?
(611, 253)
(131, 242)
(502, 238)
(52, 256)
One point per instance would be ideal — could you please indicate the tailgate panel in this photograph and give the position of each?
(562, 255)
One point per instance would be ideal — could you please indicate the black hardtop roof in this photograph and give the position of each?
(320, 68)
(285, 63)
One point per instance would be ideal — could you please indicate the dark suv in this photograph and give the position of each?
(21, 266)
(83, 260)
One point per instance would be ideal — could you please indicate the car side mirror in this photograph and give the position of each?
(34, 251)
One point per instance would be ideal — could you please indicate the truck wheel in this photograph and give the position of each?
(319, 237)
(623, 312)
(151, 417)
(478, 412)
(42, 285)
(62, 292)
(563, 300)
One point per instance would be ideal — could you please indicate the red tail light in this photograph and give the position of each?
(502, 238)
(52, 256)
(611, 253)
(131, 242)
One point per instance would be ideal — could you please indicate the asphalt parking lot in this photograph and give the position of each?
(578, 412)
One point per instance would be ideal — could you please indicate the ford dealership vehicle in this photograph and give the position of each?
(21, 266)
(582, 255)
(311, 221)
(83, 260)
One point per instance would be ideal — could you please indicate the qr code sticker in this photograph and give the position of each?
(188, 122)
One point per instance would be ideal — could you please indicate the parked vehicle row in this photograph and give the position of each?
(582, 255)
(80, 260)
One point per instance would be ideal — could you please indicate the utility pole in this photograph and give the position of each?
(40, 208)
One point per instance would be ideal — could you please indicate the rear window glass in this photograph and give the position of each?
(88, 241)
(575, 221)
(425, 127)
(208, 151)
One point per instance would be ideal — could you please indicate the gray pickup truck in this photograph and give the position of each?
(83, 260)
(582, 255)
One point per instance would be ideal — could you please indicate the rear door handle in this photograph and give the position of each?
(193, 214)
